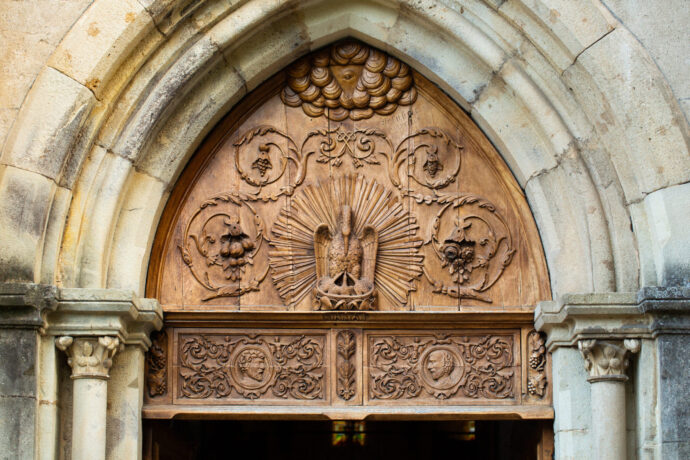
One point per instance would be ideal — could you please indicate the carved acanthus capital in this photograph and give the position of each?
(89, 357)
(607, 360)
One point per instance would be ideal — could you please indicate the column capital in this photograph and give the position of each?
(89, 357)
(607, 360)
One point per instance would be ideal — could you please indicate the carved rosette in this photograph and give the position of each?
(249, 366)
(345, 365)
(157, 365)
(89, 357)
(536, 373)
(607, 360)
(349, 79)
(441, 367)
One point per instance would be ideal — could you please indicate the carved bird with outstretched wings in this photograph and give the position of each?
(346, 262)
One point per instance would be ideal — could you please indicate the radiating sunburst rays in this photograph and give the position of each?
(398, 261)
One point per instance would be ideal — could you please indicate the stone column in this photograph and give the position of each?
(90, 359)
(607, 362)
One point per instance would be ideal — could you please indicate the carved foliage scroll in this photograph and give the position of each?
(441, 367)
(349, 79)
(248, 366)
(345, 365)
(157, 365)
(219, 245)
(536, 375)
(472, 242)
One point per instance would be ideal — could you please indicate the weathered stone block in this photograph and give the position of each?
(17, 427)
(47, 124)
(18, 354)
(100, 41)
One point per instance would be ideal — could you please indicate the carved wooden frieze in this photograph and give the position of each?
(441, 366)
(251, 366)
(349, 79)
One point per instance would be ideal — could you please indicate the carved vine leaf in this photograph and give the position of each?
(229, 367)
(348, 79)
(477, 367)
(345, 365)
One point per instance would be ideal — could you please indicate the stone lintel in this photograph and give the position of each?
(104, 312)
(614, 316)
(23, 305)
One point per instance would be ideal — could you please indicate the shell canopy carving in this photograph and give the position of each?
(349, 79)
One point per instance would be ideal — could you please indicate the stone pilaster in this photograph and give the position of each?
(608, 328)
(22, 311)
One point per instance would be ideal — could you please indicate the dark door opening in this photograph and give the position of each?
(307, 440)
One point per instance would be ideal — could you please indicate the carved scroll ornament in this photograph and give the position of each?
(474, 243)
(345, 365)
(248, 366)
(382, 256)
(157, 365)
(349, 79)
(536, 374)
(219, 244)
(410, 367)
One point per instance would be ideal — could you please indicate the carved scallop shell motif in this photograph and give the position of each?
(349, 79)
(398, 261)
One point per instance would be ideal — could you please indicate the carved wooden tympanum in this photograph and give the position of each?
(345, 187)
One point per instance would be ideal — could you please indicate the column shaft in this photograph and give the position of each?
(88, 419)
(608, 419)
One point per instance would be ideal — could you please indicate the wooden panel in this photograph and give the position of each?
(348, 145)
(464, 367)
(347, 243)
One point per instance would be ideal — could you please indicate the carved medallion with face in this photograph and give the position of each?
(440, 364)
(253, 364)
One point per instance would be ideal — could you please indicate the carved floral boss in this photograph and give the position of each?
(348, 241)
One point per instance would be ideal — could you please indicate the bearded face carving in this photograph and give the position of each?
(349, 79)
